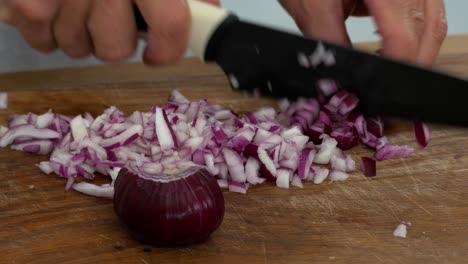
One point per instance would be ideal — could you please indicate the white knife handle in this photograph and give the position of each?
(206, 19)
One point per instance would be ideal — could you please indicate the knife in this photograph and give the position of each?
(277, 63)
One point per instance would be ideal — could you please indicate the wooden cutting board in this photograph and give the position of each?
(340, 222)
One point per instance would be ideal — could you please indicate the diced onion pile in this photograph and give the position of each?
(304, 141)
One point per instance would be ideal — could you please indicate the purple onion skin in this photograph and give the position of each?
(265, 173)
(347, 142)
(176, 213)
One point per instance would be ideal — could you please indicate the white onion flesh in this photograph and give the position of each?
(401, 230)
(3, 100)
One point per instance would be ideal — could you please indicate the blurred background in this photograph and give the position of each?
(15, 55)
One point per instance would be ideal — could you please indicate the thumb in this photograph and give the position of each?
(319, 19)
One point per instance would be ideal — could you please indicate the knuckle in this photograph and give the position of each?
(438, 28)
(403, 37)
(171, 34)
(33, 13)
(401, 44)
(175, 25)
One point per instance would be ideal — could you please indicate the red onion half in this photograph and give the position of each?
(175, 206)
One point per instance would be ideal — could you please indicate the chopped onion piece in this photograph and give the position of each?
(292, 132)
(317, 57)
(99, 151)
(94, 190)
(303, 60)
(337, 100)
(79, 128)
(45, 120)
(177, 97)
(41, 147)
(348, 104)
(266, 160)
(233, 80)
(327, 86)
(320, 174)
(296, 181)
(26, 131)
(329, 59)
(69, 183)
(235, 165)
(368, 167)
(300, 141)
(283, 104)
(238, 187)
(223, 183)
(326, 149)
(282, 178)
(251, 118)
(261, 136)
(223, 170)
(393, 151)
(336, 175)
(305, 161)
(375, 126)
(194, 143)
(164, 132)
(350, 164)
(401, 230)
(209, 161)
(224, 115)
(3, 100)
(45, 167)
(252, 168)
(3, 130)
(338, 163)
(422, 133)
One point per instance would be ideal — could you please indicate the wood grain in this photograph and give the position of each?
(346, 222)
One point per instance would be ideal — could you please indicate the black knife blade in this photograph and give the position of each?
(271, 62)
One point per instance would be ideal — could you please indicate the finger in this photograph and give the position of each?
(395, 25)
(112, 28)
(34, 19)
(168, 29)
(70, 29)
(320, 19)
(435, 31)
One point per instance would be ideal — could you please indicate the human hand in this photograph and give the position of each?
(411, 30)
(105, 28)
